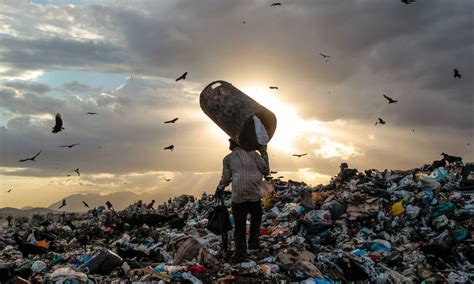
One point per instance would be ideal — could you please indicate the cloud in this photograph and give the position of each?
(30, 86)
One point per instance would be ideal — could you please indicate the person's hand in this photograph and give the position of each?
(219, 192)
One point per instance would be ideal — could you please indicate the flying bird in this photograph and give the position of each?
(182, 77)
(390, 100)
(300, 155)
(170, 147)
(325, 56)
(381, 121)
(457, 74)
(85, 204)
(281, 177)
(407, 1)
(413, 130)
(33, 159)
(168, 179)
(276, 4)
(62, 205)
(273, 87)
(69, 146)
(172, 121)
(244, 22)
(58, 127)
(68, 175)
(77, 172)
(9, 191)
(273, 172)
(91, 113)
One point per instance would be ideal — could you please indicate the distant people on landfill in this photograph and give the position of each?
(9, 219)
(150, 205)
(346, 174)
(245, 169)
(109, 205)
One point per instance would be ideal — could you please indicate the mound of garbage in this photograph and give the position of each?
(378, 226)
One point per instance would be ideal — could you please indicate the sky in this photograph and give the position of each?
(121, 58)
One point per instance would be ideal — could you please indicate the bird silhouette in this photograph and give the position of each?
(281, 177)
(390, 100)
(58, 127)
(170, 147)
(62, 205)
(168, 179)
(68, 175)
(413, 130)
(457, 74)
(9, 191)
(381, 121)
(325, 56)
(85, 204)
(33, 159)
(273, 172)
(244, 22)
(300, 155)
(69, 146)
(77, 172)
(407, 1)
(273, 87)
(276, 4)
(182, 77)
(91, 113)
(172, 121)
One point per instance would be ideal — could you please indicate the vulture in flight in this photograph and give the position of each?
(457, 74)
(300, 155)
(69, 146)
(91, 113)
(62, 205)
(85, 204)
(77, 172)
(276, 4)
(170, 147)
(182, 77)
(172, 121)
(58, 127)
(390, 100)
(381, 121)
(33, 159)
(273, 87)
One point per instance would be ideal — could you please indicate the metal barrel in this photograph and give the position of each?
(232, 111)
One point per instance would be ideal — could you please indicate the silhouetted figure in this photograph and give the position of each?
(109, 205)
(69, 146)
(457, 74)
(77, 172)
(407, 1)
(273, 87)
(150, 205)
(58, 127)
(390, 100)
(451, 159)
(170, 147)
(346, 174)
(300, 155)
(182, 77)
(381, 121)
(91, 113)
(85, 204)
(9, 219)
(276, 4)
(62, 205)
(172, 121)
(33, 159)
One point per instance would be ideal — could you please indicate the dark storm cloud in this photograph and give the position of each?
(57, 53)
(31, 86)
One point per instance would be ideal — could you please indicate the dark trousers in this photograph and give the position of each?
(240, 211)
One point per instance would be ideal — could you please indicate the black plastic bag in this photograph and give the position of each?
(219, 221)
(104, 262)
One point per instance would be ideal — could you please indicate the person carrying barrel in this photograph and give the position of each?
(245, 170)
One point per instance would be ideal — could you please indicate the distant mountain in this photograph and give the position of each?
(24, 212)
(120, 200)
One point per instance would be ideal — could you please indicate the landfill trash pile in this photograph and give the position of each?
(383, 227)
